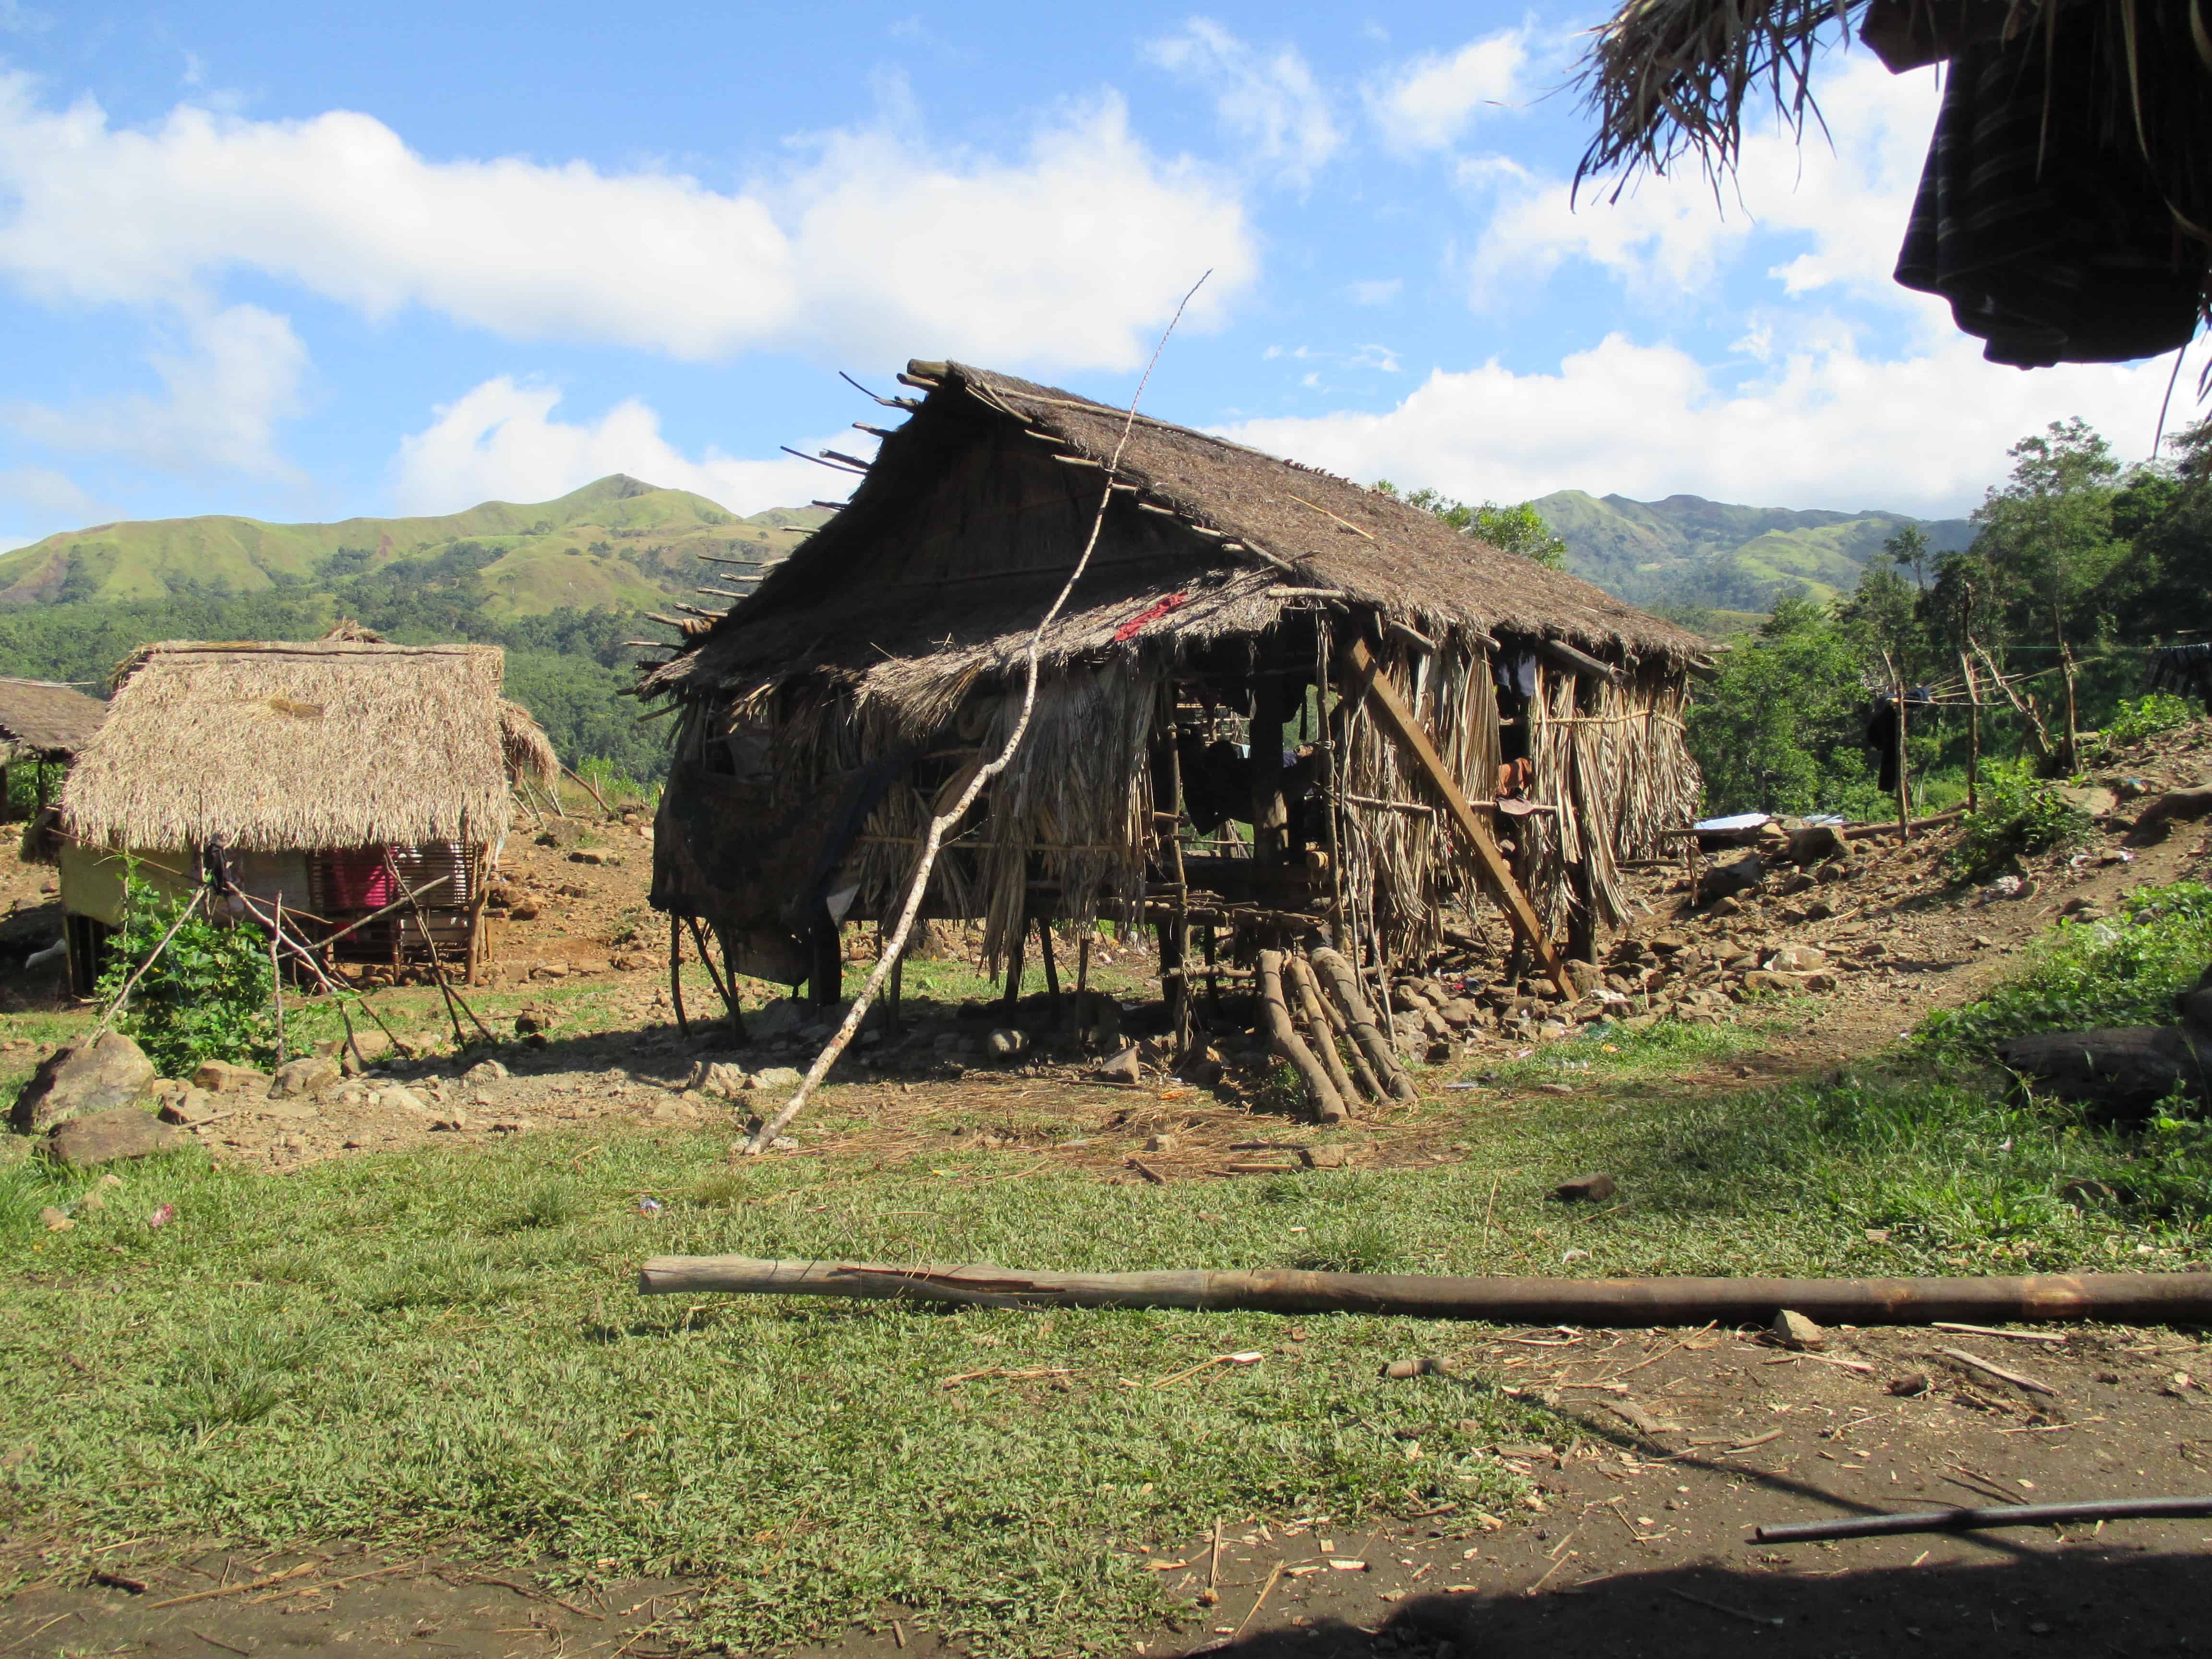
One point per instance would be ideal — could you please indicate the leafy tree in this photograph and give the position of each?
(1781, 729)
(2046, 535)
(1908, 547)
(1519, 529)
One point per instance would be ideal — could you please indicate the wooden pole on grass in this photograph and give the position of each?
(1344, 985)
(1283, 1036)
(1973, 735)
(2177, 1298)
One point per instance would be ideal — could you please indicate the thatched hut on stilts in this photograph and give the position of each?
(362, 786)
(42, 726)
(1280, 712)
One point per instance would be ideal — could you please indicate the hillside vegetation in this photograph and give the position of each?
(559, 584)
(1687, 552)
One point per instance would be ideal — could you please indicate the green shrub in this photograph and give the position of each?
(207, 997)
(2085, 975)
(2019, 814)
(2131, 722)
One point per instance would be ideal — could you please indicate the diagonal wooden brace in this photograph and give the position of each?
(1364, 678)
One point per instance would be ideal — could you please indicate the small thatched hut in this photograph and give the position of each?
(1209, 747)
(2065, 210)
(340, 775)
(42, 726)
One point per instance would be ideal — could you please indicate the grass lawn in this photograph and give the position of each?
(444, 1347)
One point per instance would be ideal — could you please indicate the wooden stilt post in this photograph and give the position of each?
(1082, 963)
(1368, 680)
(1051, 968)
(1015, 965)
(676, 970)
(1904, 797)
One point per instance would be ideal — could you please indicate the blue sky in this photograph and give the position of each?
(303, 262)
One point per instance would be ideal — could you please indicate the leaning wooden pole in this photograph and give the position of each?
(933, 839)
(1365, 678)
(2124, 1299)
(1344, 985)
(1283, 1037)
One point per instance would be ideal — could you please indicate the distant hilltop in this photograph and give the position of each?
(1686, 551)
(620, 544)
(623, 544)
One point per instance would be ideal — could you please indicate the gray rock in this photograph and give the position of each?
(1816, 843)
(194, 1106)
(775, 1076)
(123, 1131)
(80, 1079)
(310, 1076)
(1798, 959)
(1730, 880)
(779, 1018)
(1584, 977)
(484, 1071)
(1124, 1068)
(1006, 1044)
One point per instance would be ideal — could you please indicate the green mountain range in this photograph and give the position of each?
(616, 544)
(1686, 552)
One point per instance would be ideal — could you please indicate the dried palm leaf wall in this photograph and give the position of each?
(1067, 828)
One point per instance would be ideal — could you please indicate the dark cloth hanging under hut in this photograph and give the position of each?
(2039, 216)
(1886, 733)
(2185, 669)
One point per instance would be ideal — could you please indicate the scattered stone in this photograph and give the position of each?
(1816, 843)
(1584, 977)
(1793, 1330)
(1726, 906)
(1124, 1068)
(775, 1076)
(1162, 1143)
(588, 856)
(82, 1078)
(1729, 881)
(310, 1076)
(1797, 959)
(402, 1100)
(1006, 1044)
(1323, 1157)
(1787, 985)
(1907, 1386)
(1586, 1189)
(122, 1132)
(725, 1079)
(449, 1123)
(1428, 1365)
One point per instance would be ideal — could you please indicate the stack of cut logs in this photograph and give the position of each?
(1318, 1020)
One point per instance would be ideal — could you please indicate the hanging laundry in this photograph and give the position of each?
(1885, 733)
(2185, 669)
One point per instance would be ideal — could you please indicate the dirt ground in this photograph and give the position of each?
(1642, 1543)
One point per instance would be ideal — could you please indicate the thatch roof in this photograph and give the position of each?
(334, 743)
(46, 720)
(1230, 534)
(2066, 208)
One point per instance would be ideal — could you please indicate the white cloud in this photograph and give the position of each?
(1271, 103)
(1849, 203)
(500, 442)
(238, 377)
(43, 497)
(1069, 256)
(1378, 292)
(1821, 426)
(1430, 102)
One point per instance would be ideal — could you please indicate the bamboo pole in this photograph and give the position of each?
(1345, 987)
(1982, 1520)
(276, 976)
(2119, 1299)
(1284, 1039)
(1334, 1021)
(2073, 731)
(676, 970)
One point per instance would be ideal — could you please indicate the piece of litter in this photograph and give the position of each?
(163, 1214)
(1343, 1564)
(1165, 1566)
(649, 1206)
(1250, 1357)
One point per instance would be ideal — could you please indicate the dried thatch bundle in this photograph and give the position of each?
(266, 747)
